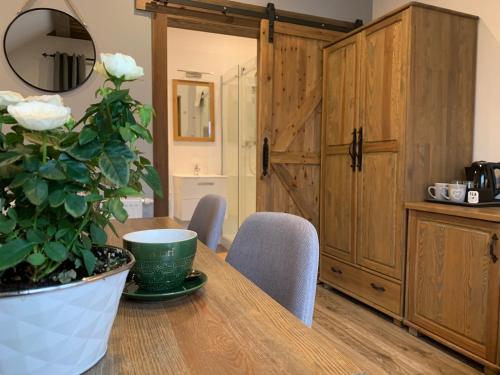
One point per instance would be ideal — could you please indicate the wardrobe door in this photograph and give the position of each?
(340, 96)
(340, 115)
(384, 50)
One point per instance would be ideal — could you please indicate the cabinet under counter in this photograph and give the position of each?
(453, 278)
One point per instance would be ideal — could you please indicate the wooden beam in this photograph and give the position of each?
(310, 158)
(160, 121)
(306, 209)
(285, 138)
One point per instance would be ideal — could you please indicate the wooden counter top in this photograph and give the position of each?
(480, 213)
(230, 326)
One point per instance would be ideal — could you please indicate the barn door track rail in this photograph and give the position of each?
(241, 10)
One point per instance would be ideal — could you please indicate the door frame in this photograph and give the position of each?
(204, 15)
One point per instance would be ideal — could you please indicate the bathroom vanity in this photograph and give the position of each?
(189, 189)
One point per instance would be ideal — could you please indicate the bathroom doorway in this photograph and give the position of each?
(239, 144)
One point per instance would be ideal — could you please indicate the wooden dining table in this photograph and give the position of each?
(230, 326)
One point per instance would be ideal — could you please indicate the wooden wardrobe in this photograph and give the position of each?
(398, 111)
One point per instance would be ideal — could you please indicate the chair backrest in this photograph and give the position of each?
(208, 218)
(279, 252)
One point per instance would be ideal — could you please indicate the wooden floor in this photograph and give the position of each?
(377, 345)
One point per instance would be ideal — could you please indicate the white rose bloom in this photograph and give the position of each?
(121, 66)
(51, 99)
(9, 97)
(39, 116)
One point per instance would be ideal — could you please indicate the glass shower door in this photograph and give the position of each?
(247, 140)
(239, 134)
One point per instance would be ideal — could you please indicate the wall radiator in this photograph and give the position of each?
(135, 206)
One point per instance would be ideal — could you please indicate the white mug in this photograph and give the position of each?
(456, 192)
(438, 191)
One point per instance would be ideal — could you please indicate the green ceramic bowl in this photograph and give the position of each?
(163, 257)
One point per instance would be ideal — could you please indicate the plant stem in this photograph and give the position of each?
(44, 147)
(80, 228)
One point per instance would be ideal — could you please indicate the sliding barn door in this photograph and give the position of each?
(289, 118)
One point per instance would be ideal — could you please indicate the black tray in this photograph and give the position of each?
(495, 203)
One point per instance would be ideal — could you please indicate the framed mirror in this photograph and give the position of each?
(193, 111)
(49, 50)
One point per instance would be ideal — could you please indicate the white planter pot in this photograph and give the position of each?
(61, 329)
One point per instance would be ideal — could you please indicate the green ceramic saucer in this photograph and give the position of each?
(189, 286)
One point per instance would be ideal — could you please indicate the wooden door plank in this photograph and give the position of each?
(311, 158)
(286, 137)
(308, 212)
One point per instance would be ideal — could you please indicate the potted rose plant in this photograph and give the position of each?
(62, 182)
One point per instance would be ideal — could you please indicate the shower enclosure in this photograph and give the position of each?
(239, 135)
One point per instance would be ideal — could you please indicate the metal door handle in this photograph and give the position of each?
(206, 183)
(336, 270)
(493, 242)
(377, 287)
(265, 157)
(352, 150)
(360, 150)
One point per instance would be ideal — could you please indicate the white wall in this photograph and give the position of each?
(487, 111)
(202, 52)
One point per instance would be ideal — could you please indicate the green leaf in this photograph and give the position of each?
(89, 260)
(36, 259)
(12, 213)
(152, 178)
(86, 151)
(115, 168)
(14, 252)
(116, 208)
(97, 234)
(14, 138)
(9, 157)
(36, 190)
(31, 163)
(142, 132)
(75, 205)
(77, 171)
(61, 233)
(127, 191)
(117, 148)
(51, 171)
(7, 226)
(145, 114)
(87, 135)
(116, 95)
(93, 197)
(35, 236)
(19, 180)
(56, 198)
(125, 133)
(7, 119)
(56, 251)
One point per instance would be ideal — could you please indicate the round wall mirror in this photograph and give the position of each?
(49, 50)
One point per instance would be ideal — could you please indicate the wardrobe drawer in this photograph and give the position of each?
(374, 289)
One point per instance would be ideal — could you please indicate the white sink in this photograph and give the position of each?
(189, 189)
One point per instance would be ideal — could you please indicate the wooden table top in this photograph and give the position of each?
(230, 326)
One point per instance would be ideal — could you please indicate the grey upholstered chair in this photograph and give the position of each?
(208, 218)
(279, 252)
